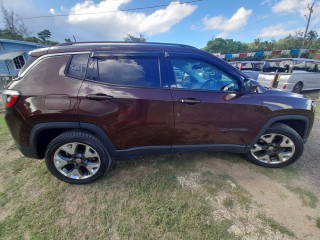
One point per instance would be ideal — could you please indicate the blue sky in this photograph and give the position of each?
(191, 23)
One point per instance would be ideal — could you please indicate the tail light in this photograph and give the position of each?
(10, 98)
(285, 86)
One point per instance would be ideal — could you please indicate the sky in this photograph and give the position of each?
(185, 21)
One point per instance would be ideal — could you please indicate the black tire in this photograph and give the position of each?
(88, 151)
(297, 88)
(277, 132)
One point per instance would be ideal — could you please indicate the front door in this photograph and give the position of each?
(209, 106)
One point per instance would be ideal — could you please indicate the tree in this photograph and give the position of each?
(220, 45)
(67, 40)
(44, 35)
(131, 38)
(13, 22)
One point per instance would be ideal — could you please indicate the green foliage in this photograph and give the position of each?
(44, 35)
(220, 45)
(131, 38)
(7, 34)
(224, 46)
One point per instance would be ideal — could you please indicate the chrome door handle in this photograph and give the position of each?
(190, 101)
(98, 97)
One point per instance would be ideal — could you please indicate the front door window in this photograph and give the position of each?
(199, 75)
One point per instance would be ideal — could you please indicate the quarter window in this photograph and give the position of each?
(78, 66)
(18, 62)
(199, 75)
(137, 72)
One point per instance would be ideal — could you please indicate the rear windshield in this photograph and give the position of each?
(291, 66)
(278, 66)
(26, 65)
(254, 66)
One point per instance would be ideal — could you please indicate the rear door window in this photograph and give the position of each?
(125, 71)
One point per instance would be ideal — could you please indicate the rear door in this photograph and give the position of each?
(127, 96)
(209, 106)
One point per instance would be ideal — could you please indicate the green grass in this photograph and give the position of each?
(139, 199)
(276, 225)
(318, 222)
(308, 198)
(127, 204)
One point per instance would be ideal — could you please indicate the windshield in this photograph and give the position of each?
(26, 65)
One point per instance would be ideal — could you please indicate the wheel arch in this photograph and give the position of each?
(298, 123)
(42, 134)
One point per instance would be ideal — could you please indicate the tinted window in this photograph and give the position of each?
(196, 74)
(283, 66)
(312, 67)
(139, 72)
(78, 65)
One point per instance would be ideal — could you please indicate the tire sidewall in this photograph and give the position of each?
(299, 146)
(56, 143)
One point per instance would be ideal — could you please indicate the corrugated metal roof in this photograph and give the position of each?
(38, 45)
(10, 55)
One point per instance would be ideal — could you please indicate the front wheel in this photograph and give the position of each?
(77, 157)
(279, 146)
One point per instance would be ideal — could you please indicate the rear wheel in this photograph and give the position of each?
(279, 146)
(297, 88)
(77, 157)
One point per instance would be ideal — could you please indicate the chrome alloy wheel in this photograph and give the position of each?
(77, 160)
(273, 148)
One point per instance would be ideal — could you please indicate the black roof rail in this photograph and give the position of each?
(124, 43)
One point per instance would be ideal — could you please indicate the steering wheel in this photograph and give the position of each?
(227, 87)
(206, 83)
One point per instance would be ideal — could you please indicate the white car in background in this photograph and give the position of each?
(291, 74)
(250, 68)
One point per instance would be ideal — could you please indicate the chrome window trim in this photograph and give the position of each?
(48, 56)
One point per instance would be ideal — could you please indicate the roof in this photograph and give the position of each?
(113, 46)
(37, 45)
(10, 55)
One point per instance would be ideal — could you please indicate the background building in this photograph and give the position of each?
(13, 55)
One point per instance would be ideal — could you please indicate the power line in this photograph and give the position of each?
(125, 10)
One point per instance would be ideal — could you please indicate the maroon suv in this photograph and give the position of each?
(79, 105)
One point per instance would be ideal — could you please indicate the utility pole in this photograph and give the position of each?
(307, 27)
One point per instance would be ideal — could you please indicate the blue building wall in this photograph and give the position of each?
(7, 68)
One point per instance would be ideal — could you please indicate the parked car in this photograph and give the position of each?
(250, 68)
(80, 105)
(291, 74)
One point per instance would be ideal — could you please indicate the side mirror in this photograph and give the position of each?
(253, 86)
(250, 85)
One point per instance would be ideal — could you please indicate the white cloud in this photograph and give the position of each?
(116, 24)
(276, 31)
(300, 7)
(52, 11)
(236, 22)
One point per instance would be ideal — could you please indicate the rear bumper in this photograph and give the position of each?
(28, 152)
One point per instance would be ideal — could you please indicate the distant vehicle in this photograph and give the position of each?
(291, 74)
(250, 68)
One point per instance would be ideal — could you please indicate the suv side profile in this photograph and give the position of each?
(79, 105)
